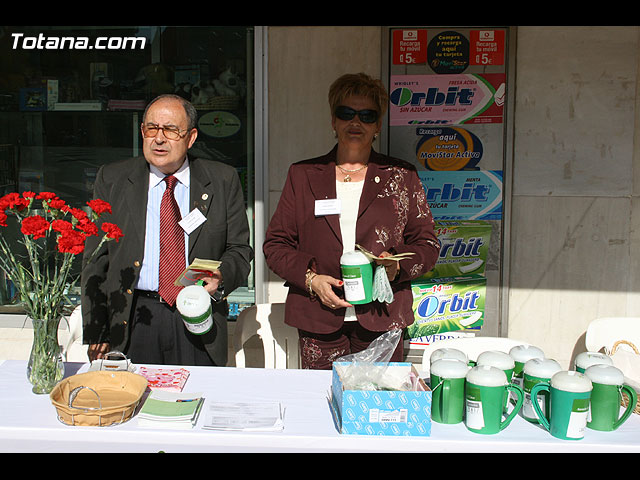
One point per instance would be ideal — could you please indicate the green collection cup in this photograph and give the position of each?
(536, 371)
(486, 391)
(448, 353)
(570, 392)
(521, 354)
(447, 387)
(585, 359)
(501, 360)
(606, 396)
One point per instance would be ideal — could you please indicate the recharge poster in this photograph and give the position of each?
(463, 195)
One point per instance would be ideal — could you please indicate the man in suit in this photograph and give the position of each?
(125, 305)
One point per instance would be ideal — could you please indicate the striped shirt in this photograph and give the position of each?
(150, 265)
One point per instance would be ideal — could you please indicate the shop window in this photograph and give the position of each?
(72, 99)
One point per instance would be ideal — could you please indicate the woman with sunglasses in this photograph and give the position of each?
(350, 196)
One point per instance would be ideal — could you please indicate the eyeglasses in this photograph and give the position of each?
(347, 113)
(171, 133)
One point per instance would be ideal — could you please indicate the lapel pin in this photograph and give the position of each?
(377, 179)
(205, 196)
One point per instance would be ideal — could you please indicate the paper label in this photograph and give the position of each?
(330, 206)
(192, 221)
(387, 416)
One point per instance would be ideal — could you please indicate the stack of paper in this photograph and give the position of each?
(165, 378)
(164, 409)
(255, 417)
(197, 270)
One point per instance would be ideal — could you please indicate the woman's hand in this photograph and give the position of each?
(392, 267)
(322, 285)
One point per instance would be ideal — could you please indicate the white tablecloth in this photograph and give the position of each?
(28, 422)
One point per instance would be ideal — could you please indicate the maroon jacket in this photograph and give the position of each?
(393, 216)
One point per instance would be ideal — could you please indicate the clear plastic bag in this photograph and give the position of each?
(381, 287)
(369, 369)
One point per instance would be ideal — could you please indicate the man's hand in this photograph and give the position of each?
(211, 283)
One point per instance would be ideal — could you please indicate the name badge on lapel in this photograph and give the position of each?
(192, 221)
(330, 206)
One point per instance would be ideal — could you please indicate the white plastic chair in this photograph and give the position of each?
(472, 346)
(74, 350)
(280, 341)
(606, 331)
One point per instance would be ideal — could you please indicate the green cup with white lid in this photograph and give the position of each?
(570, 392)
(501, 360)
(448, 353)
(357, 277)
(585, 359)
(447, 377)
(537, 370)
(606, 397)
(521, 354)
(486, 392)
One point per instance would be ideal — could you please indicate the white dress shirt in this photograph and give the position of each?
(150, 264)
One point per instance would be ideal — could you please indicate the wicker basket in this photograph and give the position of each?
(99, 398)
(625, 399)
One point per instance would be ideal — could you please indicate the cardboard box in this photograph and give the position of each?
(447, 304)
(381, 412)
(464, 248)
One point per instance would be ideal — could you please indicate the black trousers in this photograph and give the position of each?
(158, 336)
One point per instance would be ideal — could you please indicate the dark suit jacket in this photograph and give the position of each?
(109, 279)
(393, 215)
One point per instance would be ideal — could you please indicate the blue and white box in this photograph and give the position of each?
(404, 412)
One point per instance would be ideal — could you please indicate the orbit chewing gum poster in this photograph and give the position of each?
(464, 248)
(446, 305)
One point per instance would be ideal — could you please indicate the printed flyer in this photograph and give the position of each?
(448, 148)
(446, 99)
(463, 195)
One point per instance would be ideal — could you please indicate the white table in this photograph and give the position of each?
(28, 422)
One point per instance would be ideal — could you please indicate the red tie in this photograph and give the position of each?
(172, 261)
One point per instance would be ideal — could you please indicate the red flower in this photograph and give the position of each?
(99, 206)
(3, 219)
(13, 200)
(46, 196)
(28, 194)
(57, 203)
(78, 213)
(61, 225)
(112, 231)
(35, 225)
(71, 241)
(87, 226)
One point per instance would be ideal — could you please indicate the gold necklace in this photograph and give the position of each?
(347, 177)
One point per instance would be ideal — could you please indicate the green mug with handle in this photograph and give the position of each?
(501, 360)
(537, 370)
(486, 391)
(521, 354)
(570, 392)
(585, 359)
(447, 387)
(448, 353)
(606, 396)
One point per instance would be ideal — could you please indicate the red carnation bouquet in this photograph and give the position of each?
(40, 262)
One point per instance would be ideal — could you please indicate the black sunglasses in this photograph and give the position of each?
(347, 113)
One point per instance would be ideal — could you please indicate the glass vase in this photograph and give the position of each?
(46, 367)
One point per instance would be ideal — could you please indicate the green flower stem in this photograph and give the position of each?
(45, 367)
